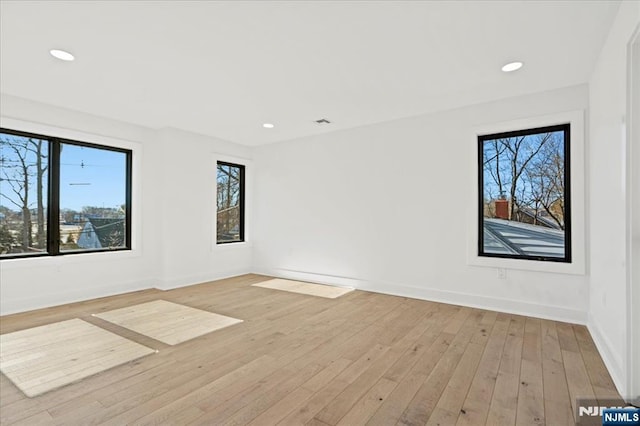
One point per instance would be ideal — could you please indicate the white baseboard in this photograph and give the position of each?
(40, 301)
(313, 278)
(556, 313)
(185, 281)
(612, 360)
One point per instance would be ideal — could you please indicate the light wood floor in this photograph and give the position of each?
(364, 358)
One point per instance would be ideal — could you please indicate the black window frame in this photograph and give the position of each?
(241, 200)
(53, 195)
(566, 129)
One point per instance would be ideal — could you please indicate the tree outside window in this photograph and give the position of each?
(524, 194)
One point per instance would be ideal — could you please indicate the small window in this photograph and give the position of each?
(524, 197)
(59, 196)
(230, 203)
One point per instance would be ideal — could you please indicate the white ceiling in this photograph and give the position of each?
(224, 68)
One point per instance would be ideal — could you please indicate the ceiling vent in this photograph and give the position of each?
(323, 121)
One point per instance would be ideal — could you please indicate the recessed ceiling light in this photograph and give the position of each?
(268, 126)
(62, 55)
(512, 66)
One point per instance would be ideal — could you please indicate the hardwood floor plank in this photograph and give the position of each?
(286, 378)
(504, 401)
(172, 397)
(398, 401)
(530, 409)
(566, 337)
(450, 403)
(41, 418)
(370, 402)
(67, 413)
(601, 380)
(557, 405)
(452, 399)
(325, 395)
(321, 379)
(274, 407)
(405, 339)
(578, 381)
(476, 405)
(422, 405)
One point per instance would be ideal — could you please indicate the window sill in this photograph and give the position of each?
(527, 265)
(232, 246)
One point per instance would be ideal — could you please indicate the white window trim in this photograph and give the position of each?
(136, 191)
(248, 194)
(577, 170)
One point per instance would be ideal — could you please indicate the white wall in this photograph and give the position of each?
(608, 91)
(187, 203)
(386, 208)
(633, 220)
(174, 187)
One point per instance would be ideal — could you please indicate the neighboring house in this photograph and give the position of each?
(102, 233)
(510, 237)
(501, 209)
(528, 215)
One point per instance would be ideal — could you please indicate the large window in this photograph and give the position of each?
(59, 196)
(230, 203)
(524, 197)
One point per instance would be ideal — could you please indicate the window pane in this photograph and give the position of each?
(93, 197)
(230, 217)
(524, 209)
(24, 163)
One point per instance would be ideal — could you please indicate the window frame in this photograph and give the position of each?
(53, 194)
(482, 138)
(241, 200)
